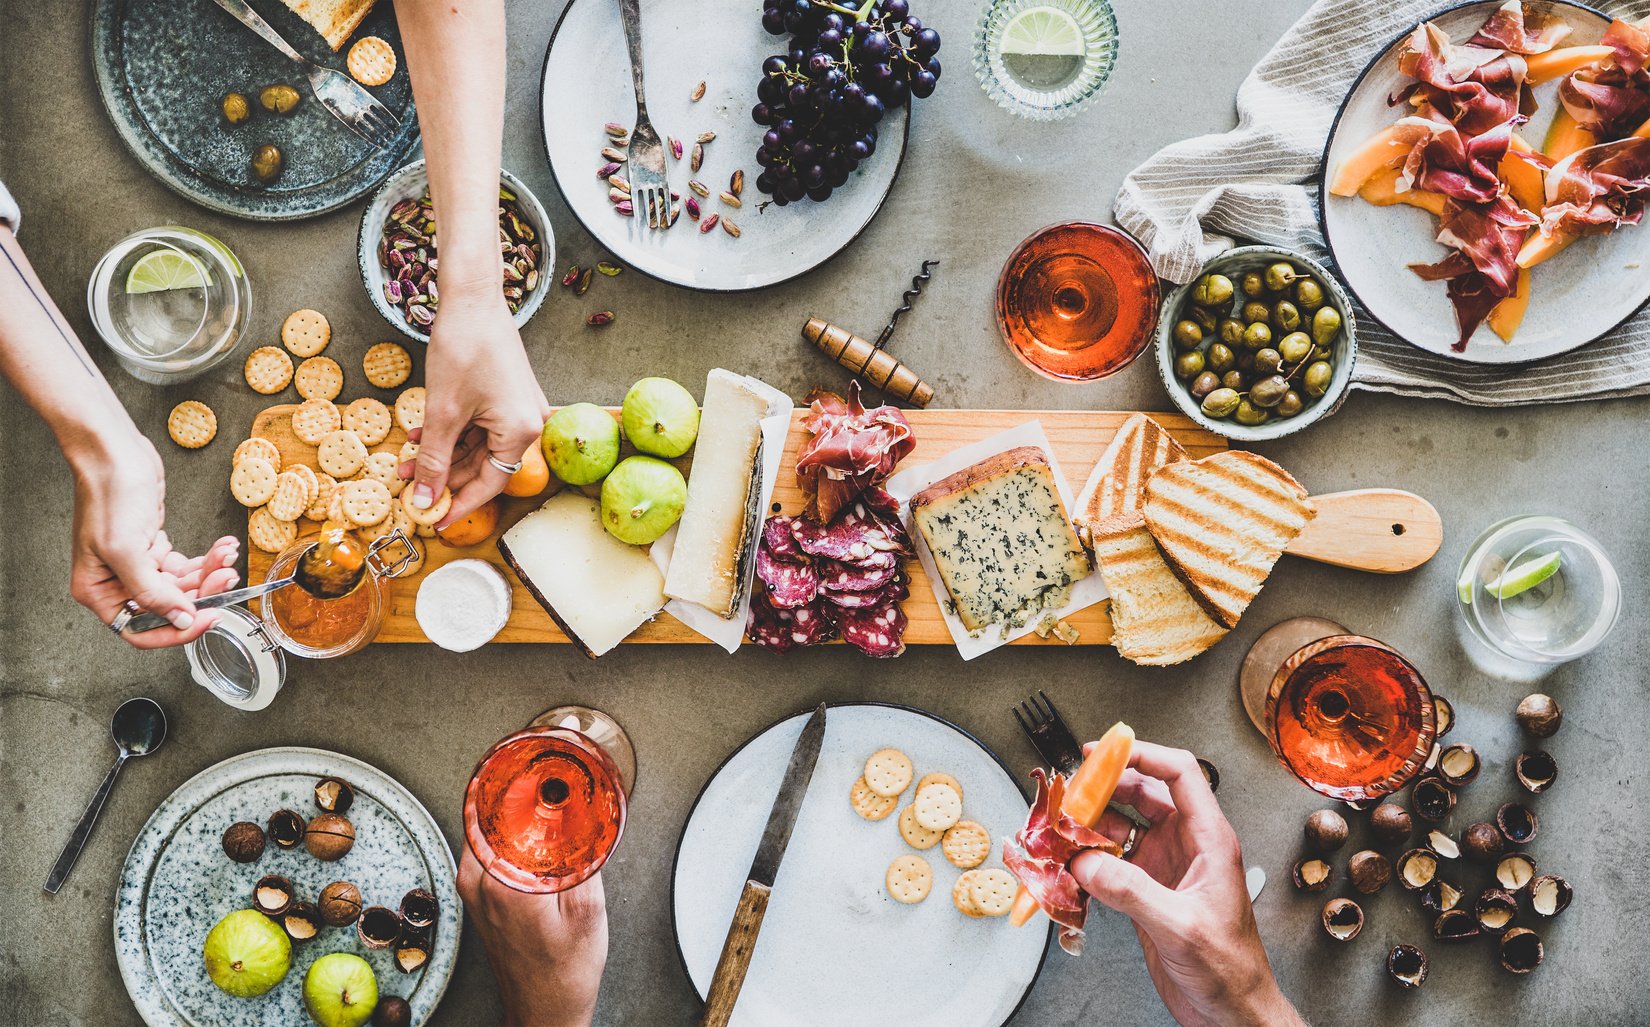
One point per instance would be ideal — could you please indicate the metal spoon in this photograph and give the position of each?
(325, 573)
(138, 728)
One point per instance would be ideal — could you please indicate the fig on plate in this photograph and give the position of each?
(247, 953)
(642, 498)
(581, 443)
(661, 418)
(340, 990)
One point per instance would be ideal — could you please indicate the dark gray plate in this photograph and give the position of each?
(163, 67)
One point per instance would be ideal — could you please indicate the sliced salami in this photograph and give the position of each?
(778, 541)
(835, 576)
(779, 630)
(810, 625)
(790, 585)
(877, 631)
(842, 539)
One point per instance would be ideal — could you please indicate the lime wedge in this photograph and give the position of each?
(1463, 587)
(163, 271)
(1524, 576)
(1043, 32)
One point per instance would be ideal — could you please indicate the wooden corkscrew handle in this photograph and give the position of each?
(864, 359)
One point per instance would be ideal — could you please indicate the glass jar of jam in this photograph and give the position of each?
(320, 628)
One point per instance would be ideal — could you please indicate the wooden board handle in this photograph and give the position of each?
(1386, 531)
(736, 954)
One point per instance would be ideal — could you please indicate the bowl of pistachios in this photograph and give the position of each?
(1259, 345)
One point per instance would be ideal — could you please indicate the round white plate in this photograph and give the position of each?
(1576, 296)
(834, 947)
(177, 883)
(587, 84)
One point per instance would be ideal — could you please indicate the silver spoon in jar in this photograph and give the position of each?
(138, 728)
(319, 572)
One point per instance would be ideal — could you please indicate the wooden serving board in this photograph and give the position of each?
(1078, 438)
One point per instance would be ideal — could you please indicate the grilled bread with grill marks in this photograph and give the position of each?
(1155, 621)
(1112, 496)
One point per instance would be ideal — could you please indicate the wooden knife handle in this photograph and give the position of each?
(736, 954)
(1386, 531)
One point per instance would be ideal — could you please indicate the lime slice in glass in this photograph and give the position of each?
(1463, 588)
(163, 271)
(1043, 32)
(1524, 576)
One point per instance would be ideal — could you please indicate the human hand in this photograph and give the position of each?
(482, 399)
(121, 551)
(1183, 888)
(547, 951)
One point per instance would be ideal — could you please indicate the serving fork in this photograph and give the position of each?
(341, 95)
(645, 159)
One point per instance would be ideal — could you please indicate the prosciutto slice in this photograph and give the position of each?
(1599, 188)
(1040, 855)
(1614, 99)
(1483, 270)
(1462, 167)
(851, 450)
(1471, 87)
(1520, 31)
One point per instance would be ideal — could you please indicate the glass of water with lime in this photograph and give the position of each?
(169, 302)
(1539, 590)
(1045, 59)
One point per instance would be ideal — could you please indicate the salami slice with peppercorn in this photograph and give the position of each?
(780, 630)
(834, 576)
(877, 631)
(790, 585)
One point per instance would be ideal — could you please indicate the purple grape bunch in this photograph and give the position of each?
(849, 64)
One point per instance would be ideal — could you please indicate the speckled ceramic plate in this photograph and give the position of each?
(163, 67)
(587, 84)
(1575, 297)
(177, 884)
(834, 947)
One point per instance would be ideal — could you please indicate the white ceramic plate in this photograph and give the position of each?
(834, 947)
(1576, 296)
(587, 84)
(177, 883)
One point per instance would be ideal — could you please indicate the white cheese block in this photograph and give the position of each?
(462, 605)
(596, 588)
(712, 560)
(1000, 539)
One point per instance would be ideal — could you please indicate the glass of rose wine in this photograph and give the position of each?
(546, 805)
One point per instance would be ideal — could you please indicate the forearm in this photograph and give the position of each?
(455, 56)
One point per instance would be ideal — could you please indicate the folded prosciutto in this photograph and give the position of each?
(1483, 270)
(1518, 31)
(1040, 855)
(1473, 88)
(1599, 188)
(1613, 99)
(851, 450)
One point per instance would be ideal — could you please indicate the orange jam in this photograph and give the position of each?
(321, 623)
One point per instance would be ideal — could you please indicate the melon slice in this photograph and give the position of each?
(1565, 136)
(1387, 149)
(1382, 191)
(1556, 63)
(1507, 315)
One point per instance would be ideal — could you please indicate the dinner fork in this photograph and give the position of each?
(1049, 733)
(649, 190)
(343, 98)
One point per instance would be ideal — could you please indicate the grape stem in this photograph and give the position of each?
(861, 14)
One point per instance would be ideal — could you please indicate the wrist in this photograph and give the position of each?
(91, 444)
(1266, 1006)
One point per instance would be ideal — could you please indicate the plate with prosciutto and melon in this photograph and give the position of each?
(1485, 180)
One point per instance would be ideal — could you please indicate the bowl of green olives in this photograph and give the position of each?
(1259, 345)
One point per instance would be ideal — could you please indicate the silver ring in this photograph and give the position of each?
(501, 465)
(128, 610)
(1132, 841)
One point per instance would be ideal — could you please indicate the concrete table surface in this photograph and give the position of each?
(975, 182)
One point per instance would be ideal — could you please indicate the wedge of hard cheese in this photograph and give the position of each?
(1112, 496)
(1000, 539)
(717, 538)
(1222, 522)
(596, 588)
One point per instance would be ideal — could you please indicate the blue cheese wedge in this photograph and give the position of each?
(722, 521)
(1000, 538)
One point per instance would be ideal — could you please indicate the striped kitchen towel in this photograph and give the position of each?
(1259, 182)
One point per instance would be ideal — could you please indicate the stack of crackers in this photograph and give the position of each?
(934, 817)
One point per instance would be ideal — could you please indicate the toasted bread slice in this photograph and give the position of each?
(336, 20)
(1155, 621)
(1112, 497)
(1222, 522)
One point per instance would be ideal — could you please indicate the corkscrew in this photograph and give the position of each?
(871, 360)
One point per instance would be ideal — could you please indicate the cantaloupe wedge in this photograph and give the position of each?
(1541, 247)
(1525, 183)
(1565, 136)
(1507, 315)
(1387, 149)
(1382, 191)
(1556, 63)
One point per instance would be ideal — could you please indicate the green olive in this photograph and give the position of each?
(1204, 384)
(1255, 310)
(267, 163)
(1204, 319)
(1316, 381)
(1322, 353)
(1286, 317)
(1326, 322)
(1257, 335)
(1188, 365)
(1290, 405)
(1268, 360)
(1294, 347)
(1234, 380)
(1187, 335)
(1309, 294)
(1220, 403)
(1212, 291)
(1249, 415)
(235, 108)
(1221, 358)
(1269, 391)
(1230, 331)
(1280, 276)
(1253, 284)
(278, 99)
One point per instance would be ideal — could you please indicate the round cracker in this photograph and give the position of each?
(192, 424)
(319, 378)
(938, 806)
(371, 61)
(268, 370)
(966, 844)
(365, 502)
(252, 481)
(431, 515)
(315, 419)
(939, 778)
(256, 446)
(909, 879)
(869, 804)
(306, 332)
(325, 486)
(341, 453)
(915, 835)
(387, 365)
(312, 483)
(291, 496)
(268, 532)
(398, 521)
(369, 419)
(385, 468)
(960, 897)
(409, 408)
(992, 893)
(888, 772)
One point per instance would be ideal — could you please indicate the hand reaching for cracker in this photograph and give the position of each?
(547, 951)
(1184, 890)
